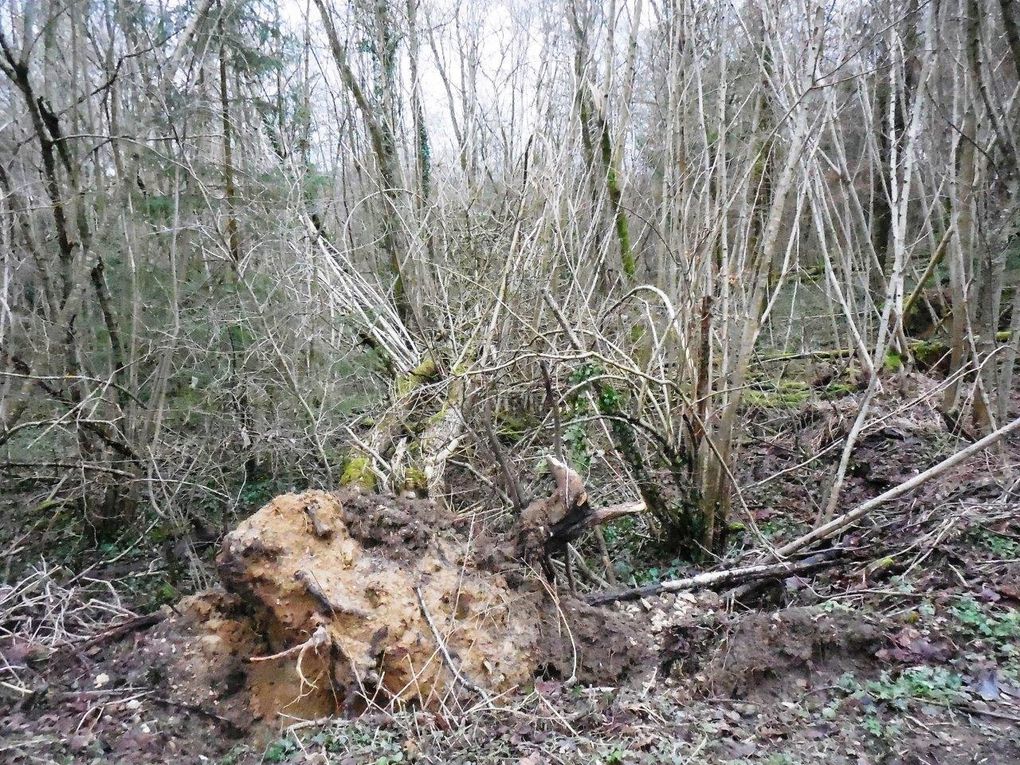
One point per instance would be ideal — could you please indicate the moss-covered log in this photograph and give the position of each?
(414, 438)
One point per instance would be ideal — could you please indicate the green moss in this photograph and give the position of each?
(893, 361)
(812, 273)
(436, 418)
(838, 390)
(626, 254)
(788, 394)
(512, 425)
(415, 479)
(424, 372)
(358, 472)
(928, 352)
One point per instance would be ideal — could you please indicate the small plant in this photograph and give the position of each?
(575, 438)
(259, 492)
(923, 682)
(616, 756)
(998, 545)
(977, 619)
(280, 750)
(777, 526)
(235, 755)
(835, 606)
(879, 728)
(657, 574)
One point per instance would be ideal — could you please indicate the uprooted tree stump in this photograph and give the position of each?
(336, 600)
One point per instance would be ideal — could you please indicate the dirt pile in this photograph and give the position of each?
(763, 656)
(337, 600)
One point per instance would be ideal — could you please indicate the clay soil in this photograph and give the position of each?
(906, 652)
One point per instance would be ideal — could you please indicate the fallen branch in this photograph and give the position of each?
(840, 522)
(713, 579)
(124, 628)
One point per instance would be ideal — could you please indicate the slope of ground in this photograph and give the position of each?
(906, 654)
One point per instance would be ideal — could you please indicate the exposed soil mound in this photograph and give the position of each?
(335, 600)
(397, 528)
(760, 655)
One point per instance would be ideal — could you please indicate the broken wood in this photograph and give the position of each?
(547, 526)
(713, 579)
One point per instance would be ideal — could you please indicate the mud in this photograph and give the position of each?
(198, 656)
(764, 656)
(750, 687)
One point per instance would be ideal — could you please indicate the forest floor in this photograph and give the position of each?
(906, 651)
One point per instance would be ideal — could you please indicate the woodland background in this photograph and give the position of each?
(416, 245)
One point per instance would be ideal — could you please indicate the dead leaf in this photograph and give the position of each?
(911, 645)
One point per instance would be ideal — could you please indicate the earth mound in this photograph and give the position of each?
(337, 601)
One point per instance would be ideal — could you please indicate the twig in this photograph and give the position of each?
(583, 564)
(383, 464)
(936, 258)
(554, 410)
(318, 639)
(69, 466)
(517, 493)
(120, 630)
(971, 709)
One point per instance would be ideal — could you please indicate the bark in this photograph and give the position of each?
(384, 146)
(597, 141)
